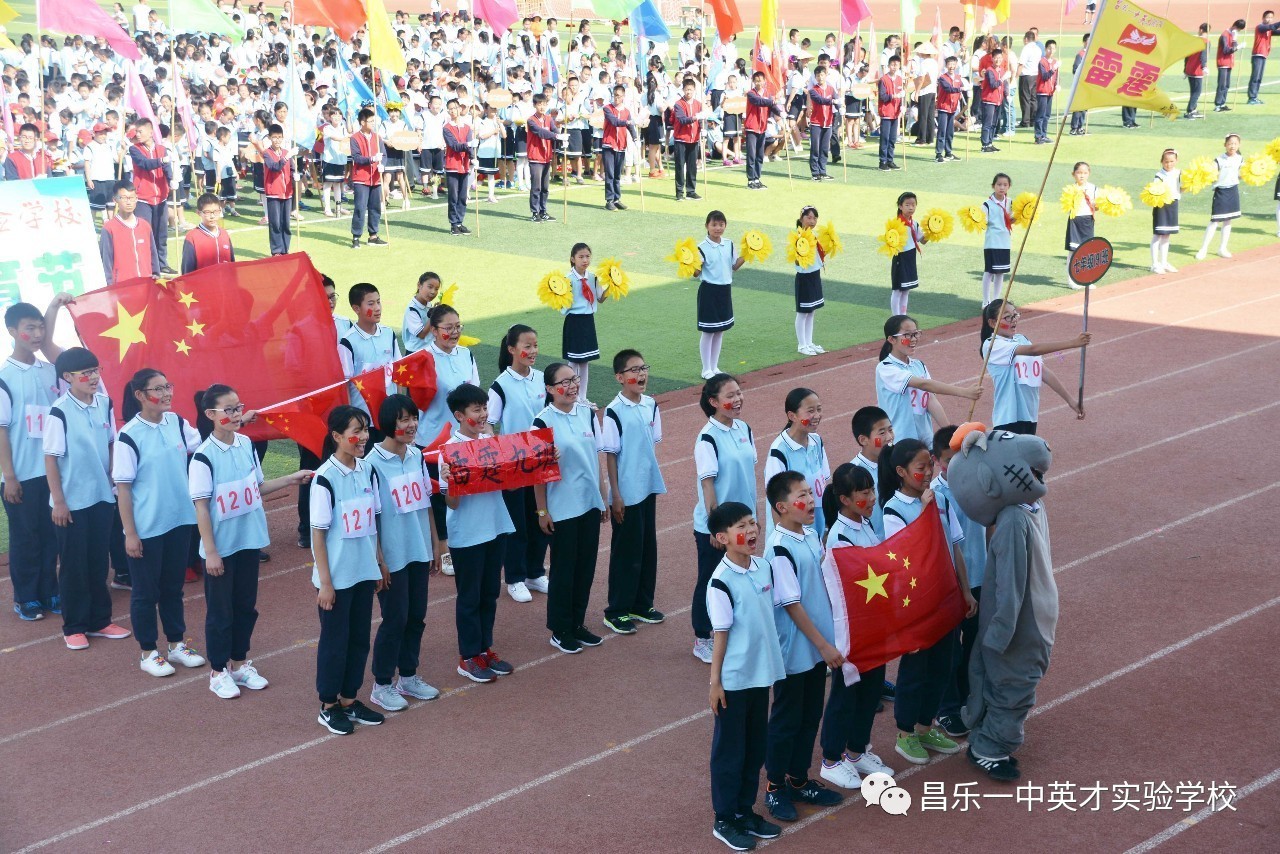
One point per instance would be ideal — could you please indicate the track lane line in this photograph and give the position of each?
(1201, 814)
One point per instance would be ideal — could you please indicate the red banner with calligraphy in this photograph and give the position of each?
(501, 462)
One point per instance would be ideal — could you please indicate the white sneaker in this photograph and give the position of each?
(702, 649)
(1159, 271)
(185, 655)
(249, 677)
(446, 564)
(389, 698)
(413, 686)
(1169, 268)
(806, 350)
(1225, 253)
(868, 763)
(223, 685)
(520, 592)
(843, 774)
(706, 375)
(1200, 255)
(541, 584)
(817, 348)
(154, 663)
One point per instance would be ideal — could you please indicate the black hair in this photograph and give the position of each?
(792, 402)
(942, 439)
(390, 411)
(465, 395)
(328, 282)
(1240, 24)
(710, 390)
(904, 197)
(804, 210)
(892, 327)
(622, 357)
(725, 516)
(577, 247)
(716, 216)
(208, 399)
(428, 276)
(74, 359)
(124, 187)
(273, 129)
(1079, 163)
(439, 311)
(990, 315)
(340, 418)
(845, 481)
(138, 383)
(1050, 42)
(779, 487)
(548, 376)
(20, 311)
(505, 359)
(358, 291)
(1000, 175)
(899, 454)
(866, 419)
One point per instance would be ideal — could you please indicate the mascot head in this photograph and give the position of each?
(996, 469)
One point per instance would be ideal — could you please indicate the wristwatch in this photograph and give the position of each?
(541, 513)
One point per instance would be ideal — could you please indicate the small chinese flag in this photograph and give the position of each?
(417, 373)
(894, 598)
(304, 419)
(1129, 50)
(372, 385)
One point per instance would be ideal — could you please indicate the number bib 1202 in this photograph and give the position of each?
(408, 493)
(357, 518)
(237, 497)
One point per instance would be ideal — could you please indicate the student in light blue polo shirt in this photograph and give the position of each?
(746, 661)
(717, 262)
(572, 509)
(415, 328)
(348, 569)
(873, 431)
(516, 396)
(630, 433)
(77, 460)
(725, 456)
(799, 448)
(808, 287)
(367, 344)
(578, 340)
(406, 529)
(149, 468)
(226, 484)
(904, 388)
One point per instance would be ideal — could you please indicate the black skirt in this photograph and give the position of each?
(1165, 220)
(1226, 204)
(101, 194)
(579, 142)
(653, 131)
(1079, 229)
(715, 307)
(809, 292)
(996, 260)
(732, 124)
(487, 165)
(393, 160)
(579, 338)
(1278, 188)
(902, 271)
(259, 179)
(334, 171)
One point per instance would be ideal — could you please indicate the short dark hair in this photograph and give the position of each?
(942, 439)
(358, 291)
(624, 356)
(274, 129)
(726, 515)
(21, 311)
(207, 199)
(365, 113)
(391, 409)
(74, 359)
(125, 187)
(780, 486)
(866, 419)
(466, 395)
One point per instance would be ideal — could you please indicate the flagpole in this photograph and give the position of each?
(844, 159)
(1248, 16)
(383, 196)
(173, 122)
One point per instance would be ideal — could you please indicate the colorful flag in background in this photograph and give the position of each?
(853, 13)
(85, 18)
(728, 20)
(384, 46)
(135, 96)
(200, 16)
(344, 17)
(498, 14)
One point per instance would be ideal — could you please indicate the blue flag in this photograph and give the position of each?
(648, 23)
(354, 93)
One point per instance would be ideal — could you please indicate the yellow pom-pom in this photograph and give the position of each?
(1199, 174)
(1258, 169)
(1070, 199)
(1157, 194)
(973, 218)
(1026, 209)
(894, 238)
(613, 279)
(756, 246)
(468, 341)
(555, 290)
(829, 241)
(1273, 149)
(1113, 201)
(937, 224)
(686, 258)
(802, 247)
(447, 295)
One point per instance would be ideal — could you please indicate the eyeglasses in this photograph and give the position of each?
(1012, 318)
(909, 336)
(160, 389)
(87, 374)
(569, 383)
(451, 330)
(230, 410)
(638, 369)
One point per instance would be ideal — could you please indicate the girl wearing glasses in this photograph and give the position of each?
(149, 468)
(904, 389)
(1018, 370)
(226, 485)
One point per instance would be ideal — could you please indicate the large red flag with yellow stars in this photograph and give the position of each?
(262, 327)
(894, 598)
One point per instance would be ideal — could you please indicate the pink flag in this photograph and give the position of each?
(85, 18)
(135, 97)
(1071, 5)
(853, 12)
(189, 118)
(498, 14)
(8, 114)
(936, 36)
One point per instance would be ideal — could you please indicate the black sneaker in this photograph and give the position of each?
(894, 166)
(754, 824)
(263, 557)
(817, 177)
(375, 240)
(610, 206)
(355, 243)
(650, 615)
(619, 625)
(939, 159)
(335, 721)
(359, 713)
(760, 185)
(778, 802)
(731, 834)
(813, 792)
(752, 185)
(454, 230)
(496, 664)
(953, 726)
(889, 691)
(121, 582)
(679, 198)
(566, 643)
(694, 195)
(462, 229)
(885, 167)
(620, 206)
(1003, 770)
(304, 542)
(546, 217)
(583, 636)
(535, 218)
(167, 270)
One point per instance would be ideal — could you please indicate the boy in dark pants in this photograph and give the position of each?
(688, 141)
(889, 98)
(366, 180)
(746, 661)
(277, 165)
(617, 130)
(802, 613)
(541, 141)
(632, 427)
(457, 167)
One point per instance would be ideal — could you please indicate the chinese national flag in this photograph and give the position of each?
(304, 419)
(728, 20)
(1129, 50)
(372, 385)
(417, 373)
(894, 598)
(342, 16)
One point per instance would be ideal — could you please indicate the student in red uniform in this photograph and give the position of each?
(1193, 69)
(759, 105)
(993, 95)
(1261, 50)
(457, 166)
(207, 244)
(151, 176)
(890, 106)
(617, 130)
(951, 89)
(821, 107)
(688, 140)
(277, 174)
(125, 243)
(1046, 85)
(28, 160)
(366, 180)
(1228, 44)
(541, 130)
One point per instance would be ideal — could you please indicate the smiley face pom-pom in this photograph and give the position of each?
(613, 278)
(829, 240)
(448, 295)
(1199, 174)
(1113, 201)
(756, 246)
(1026, 209)
(686, 257)
(554, 290)
(802, 247)
(894, 238)
(1157, 194)
(1070, 200)
(973, 218)
(1258, 169)
(937, 224)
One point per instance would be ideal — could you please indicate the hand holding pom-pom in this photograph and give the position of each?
(828, 241)
(555, 290)
(756, 246)
(894, 238)
(1113, 201)
(1258, 169)
(613, 278)
(686, 257)
(1026, 209)
(937, 224)
(1157, 194)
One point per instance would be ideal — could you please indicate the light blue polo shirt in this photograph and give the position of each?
(514, 401)
(344, 504)
(153, 458)
(27, 392)
(797, 575)
(631, 432)
(1017, 379)
(479, 518)
(811, 461)
(415, 318)
(452, 370)
(907, 407)
(362, 352)
(404, 491)
(974, 546)
(717, 261)
(877, 514)
(997, 235)
(80, 436)
(740, 602)
(578, 441)
(727, 455)
(851, 532)
(230, 477)
(901, 510)
(581, 305)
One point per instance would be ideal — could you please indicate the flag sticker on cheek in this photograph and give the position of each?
(727, 406)
(861, 503)
(878, 442)
(742, 539)
(355, 440)
(24, 336)
(918, 475)
(224, 421)
(802, 506)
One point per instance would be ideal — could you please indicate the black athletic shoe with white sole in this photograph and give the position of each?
(953, 726)
(732, 835)
(335, 721)
(754, 824)
(359, 713)
(586, 637)
(1004, 770)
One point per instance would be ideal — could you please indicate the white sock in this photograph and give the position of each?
(717, 341)
(800, 329)
(1208, 237)
(808, 327)
(1226, 235)
(326, 194)
(894, 302)
(1165, 241)
(705, 350)
(1155, 251)
(581, 369)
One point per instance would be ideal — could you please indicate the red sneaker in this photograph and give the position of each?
(110, 631)
(193, 575)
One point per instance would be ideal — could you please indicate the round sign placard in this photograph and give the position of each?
(1090, 261)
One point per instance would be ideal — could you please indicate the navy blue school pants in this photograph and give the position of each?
(819, 149)
(1256, 70)
(33, 544)
(1044, 106)
(738, 751)
(888, 140)
(343, 649)
(82, 579)
(989, 119)
(851, 710)
(922, 677)
(279, 224)
(754, 154)
(526, 549)
(539, 182)
(633, 559)
(957, 689)
(231, 601)
(477, 570)
(613, 161)
(398, 643)
(1196, 86)
(946, 133)
(158, 577)
(686, 170)
(574, 546)
(456, 183)
(1224, 86)
(793, 724)
(368, 203)
(157, 216)
(708, 559)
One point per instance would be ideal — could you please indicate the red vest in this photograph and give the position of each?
(37, 166)
(1262, 40)
(369, 174)
(1047, 87)
(152, 185)
(692, 131)
(130, 249)
(949, 102)
(209, 250)
(757, 118)
(891, 107)
(822, 113)
(458, 161)
(278, 183)
(1227, 41)
(1193, 65)
(992, 94)
(539, 149)
(615, 136)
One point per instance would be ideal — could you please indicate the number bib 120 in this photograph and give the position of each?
(1028, 370)
(357, 518)
(237, 497)
(919, 400)
(409, 494)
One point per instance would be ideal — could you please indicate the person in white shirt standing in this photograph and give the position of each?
(1028, 76)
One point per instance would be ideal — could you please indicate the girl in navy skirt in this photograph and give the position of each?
(808, 289)
(1164, 220)
(579, 337)
(720, 259)
(902, 269)
(996, 243)
(1226, 196)
(1080, 222)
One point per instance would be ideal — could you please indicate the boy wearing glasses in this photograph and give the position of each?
(207, 244)
(632, 428)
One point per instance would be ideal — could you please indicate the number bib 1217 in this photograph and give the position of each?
(357, 518)
(409, 494)
(237, 497)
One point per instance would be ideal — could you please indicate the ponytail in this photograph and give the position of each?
(794, 398)
(845, 481)
(899, 454)
(512, 337)
(892, 327)
(208, 399)
(990, 316)
(130, 406)
(340, 419)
